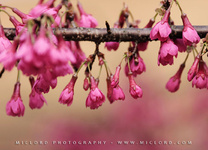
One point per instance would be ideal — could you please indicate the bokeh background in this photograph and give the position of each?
(158, 116)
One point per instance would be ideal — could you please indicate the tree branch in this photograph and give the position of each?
(117, 35)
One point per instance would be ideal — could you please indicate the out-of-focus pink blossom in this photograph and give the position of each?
(193, 70)
(180, 44)
(15, 106)
(162, 29)
(115, 79)
(167, 50)
(67, 94)
(200, 79)
(134, 89)
(7, 57)
(95, 98)
(86, 84)
(4, 42)
(174, 82)
(86, 20)
(190, 35)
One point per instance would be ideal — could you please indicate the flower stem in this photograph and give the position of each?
(186, 58)
(18, 75)
(179, 6)
(5, 12)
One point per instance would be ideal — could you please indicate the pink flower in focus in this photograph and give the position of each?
(180, 44)
(7, 57)
(200, 79)
(67, 94)
(167, 50)
(36, 99)
(95, 98)
(15, 107)
(137, 67)
(4, 42)
(162, 29)
(115, 79)
(174, 82)
(190, 35)
(41, 85)
(86, 20)
(193, 70)
(134, 89)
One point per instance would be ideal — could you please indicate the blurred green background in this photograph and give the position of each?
(158, 116)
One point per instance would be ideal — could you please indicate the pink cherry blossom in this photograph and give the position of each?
(190, 35)
(4, 42)
(86, 84)
(134, 89)
(15, 106)
(174, 82)
(162, 29)
(193, 70)
(167, 50)
(137, 67)
(200, 79)
(115, 79)
(86, 20)
(36, 99)
(95, 98)
(67, 94)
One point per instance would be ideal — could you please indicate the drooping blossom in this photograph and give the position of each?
(190, 36)
(67, 94)
(36, 100)
(174, 82)
(162, 29)
(95, 98)
(112, 45)
(134, 89)
(86, 20)
(200, 79)
(167, 50)
(193, 70)
(15, 106)
(115, 79)
(137, 66)
(4, 42)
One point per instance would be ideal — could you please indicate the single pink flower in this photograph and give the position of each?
(36, 99)
(4, 42)
(190, 35)
(22, 15)
(162, 29)
(86, 20)
(95, 98)
(174, 82)
(115, 79)
(134, 89)
(180, 44)
(193, 70)
(167, 50)
(15, 106)
(137, 67)
(41, 85)
(200, 79)
(19, 27)
(67, 94)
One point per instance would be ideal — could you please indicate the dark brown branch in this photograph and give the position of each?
(119, 35)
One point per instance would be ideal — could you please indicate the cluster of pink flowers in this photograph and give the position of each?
(39, 52)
